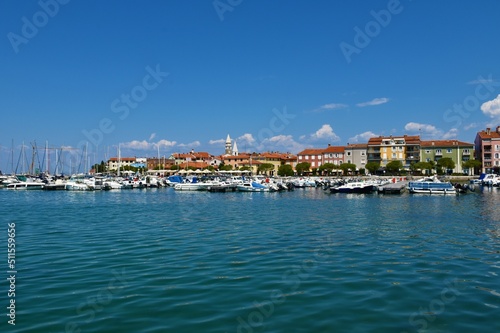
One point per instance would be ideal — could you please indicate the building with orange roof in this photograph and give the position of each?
(458, 151)
(319, 156)
(487, 149)
(385, 149)
(123, 161)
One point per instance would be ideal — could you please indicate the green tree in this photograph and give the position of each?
(285, 170)
(100, 167)
(302, 167)
(472, 164)
(265, 167)
(327, 167)
(245, 168)
(227, 167)
(446, 163)
(422, 166)
(372, 167)
(394, 166)
(362, 171)
(346, 167)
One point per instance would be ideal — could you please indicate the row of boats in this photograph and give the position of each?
(228, 183)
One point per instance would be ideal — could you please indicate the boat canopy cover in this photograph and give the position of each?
(175, 179)
(257, 185)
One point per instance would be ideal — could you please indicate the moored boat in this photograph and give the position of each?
(431, 185)
(353, 187)
(252, 187)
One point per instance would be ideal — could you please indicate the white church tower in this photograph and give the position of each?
(228, 150)
(235, 149)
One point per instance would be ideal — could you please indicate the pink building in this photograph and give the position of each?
(487, 149)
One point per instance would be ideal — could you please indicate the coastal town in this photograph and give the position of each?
(410, 153)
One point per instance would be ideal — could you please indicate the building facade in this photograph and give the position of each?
(457, 151)
(385, 149)
(123, 161)
(487, 149)
(356, 154)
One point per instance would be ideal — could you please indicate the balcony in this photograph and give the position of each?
(438, 153)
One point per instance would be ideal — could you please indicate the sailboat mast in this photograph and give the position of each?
(119, 160)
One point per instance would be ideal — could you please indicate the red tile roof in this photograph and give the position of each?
(123, 159)
(489, 134)
(444, 143)
(334, 149)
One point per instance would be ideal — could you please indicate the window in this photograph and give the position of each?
(427, 151)
(427, 159)
(307, 157)
(348, 153)
(384, 149)
(363, 153)
(393, 155)
(300, 157)
(319, 157)
(439, 152)
(336, 155)
(348, 161)
(448, 150)
(496, 155)
(497, 147)
(313, 164)
(331, 155)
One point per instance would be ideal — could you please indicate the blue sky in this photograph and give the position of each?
(281, 75)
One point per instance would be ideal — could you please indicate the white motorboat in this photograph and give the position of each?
(431, 185)
(252, 187)
(26, 185)
(353, 187)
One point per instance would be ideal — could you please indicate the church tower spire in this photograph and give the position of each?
(228, 149)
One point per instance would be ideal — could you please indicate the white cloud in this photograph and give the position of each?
(165, 143)
(482, 80)
(470, 126)
(417, 127)
(246, 139)
(492, 108)
(451, 134)
(138, 145)
(324, 133)
(217, 142)
(331, 106)
(363, 137)
(428, 131)
(193, 144)
(152, 136)
(375, 101)
(145, 145)
(282, 143)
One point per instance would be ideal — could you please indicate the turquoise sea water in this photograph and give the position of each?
(302, 261)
